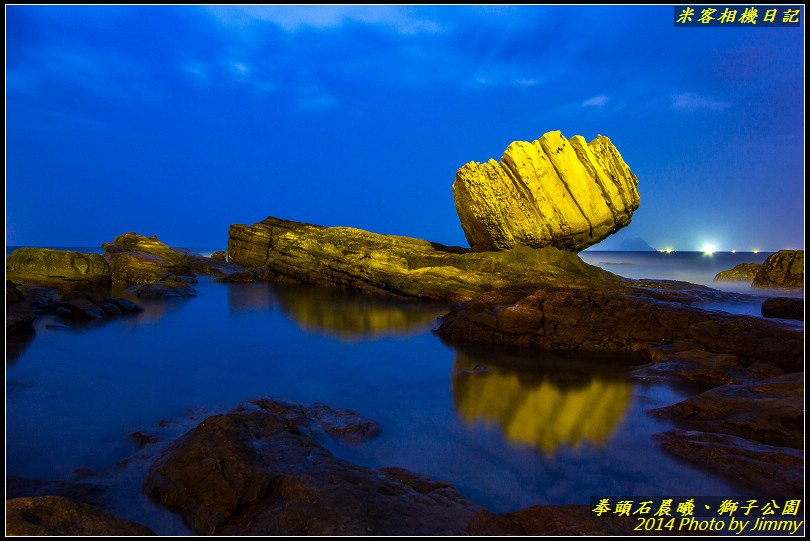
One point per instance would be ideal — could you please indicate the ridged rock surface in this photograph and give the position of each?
(744, 272)
(136, 259)
(354, 259)
(552, 192)
(782, 270)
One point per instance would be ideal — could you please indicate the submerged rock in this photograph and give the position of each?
(552, 192)
(57, 268)
(744, 272)
(350, 258)
(784, 269)
(78, 306)
(19, 313)
(55, 515)
(769, 470)
(162, 290)
(783, 308)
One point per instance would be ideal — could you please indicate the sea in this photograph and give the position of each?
(509, 429)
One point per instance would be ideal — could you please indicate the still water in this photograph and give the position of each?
(508, 429)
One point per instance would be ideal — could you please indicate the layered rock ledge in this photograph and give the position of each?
(554, 191)
(350, 258)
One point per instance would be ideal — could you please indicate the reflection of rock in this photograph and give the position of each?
(774, 471)
(349, 258)
(252, 296)
(17, 343)
(554, 191)
(784, 269)
(783, 307)
(744, 272)
(540, 410)
(55, 515)
(350, 315)
(56, 268)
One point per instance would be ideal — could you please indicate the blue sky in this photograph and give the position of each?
(179, 121)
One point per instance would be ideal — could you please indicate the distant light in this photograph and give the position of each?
(756, 251)
(709, 249)
(665, 250)
(733, 251)
(669, 250)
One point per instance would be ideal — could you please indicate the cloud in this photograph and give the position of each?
(295, 18)
(596, 101)
(689, 101)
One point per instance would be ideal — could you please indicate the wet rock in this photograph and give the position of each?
(142, 440)
(244, 277)
(41, 298)
(782, 270)
(55, 515)
(26, 487)
(62, 269)
(136, 259)
(162, 290)
(221, 255)
(343, 424)
(349, 258)
(19, 312)
(552, 192)
(783, 308)
(211, 266)
(770, 470)
(255, 473)
(769, 411)
(628, 320)
(78, 306)
(744, 272)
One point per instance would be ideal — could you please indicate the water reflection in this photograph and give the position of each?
(17, 344)
(352, 316)
(559, 403)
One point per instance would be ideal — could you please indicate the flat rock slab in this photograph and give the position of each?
(56, 515)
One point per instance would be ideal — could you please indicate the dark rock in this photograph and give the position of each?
(62, 269)
(221, 255)
(255, 473)
(555, 520)
(744, 272)
(343, 424)
(19, 312)
(783, 308)
(80, 307)
(244, 277)
(770, 411)
(142, 440)
(55, 515)
(162, 290)
(628, 320)
(25, 487)
(774, 471)
(41, 298)
(349, 258)
(211, 266)
(17, 342)
(126, 305)
(782, 270)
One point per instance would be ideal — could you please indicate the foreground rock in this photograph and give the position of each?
(744, 272)
(55, 515)
(769, 470)
(26, 487)
(162, 290)
(57, 268)
(555, 520)
(354, 259)
(636, 320)
(136, 259)
(78, 306)
(564, 193)
(784, 269)
(784, 308)
(769, 411)
(19, 313)
(258, 471)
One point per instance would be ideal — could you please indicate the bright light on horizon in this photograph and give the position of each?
(755, 251)
(709, 249)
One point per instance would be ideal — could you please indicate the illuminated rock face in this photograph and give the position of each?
(554, 191)
(782, 270)
(57, 268)
(540, 411)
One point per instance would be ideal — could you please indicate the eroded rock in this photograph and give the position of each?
(136, 259)
(57, 268)
(56, 515)
(744, 272)
(784, 269)
(552, 192)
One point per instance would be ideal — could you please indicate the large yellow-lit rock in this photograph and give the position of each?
(554, 191)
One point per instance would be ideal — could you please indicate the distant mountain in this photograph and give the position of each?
(636, 244)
